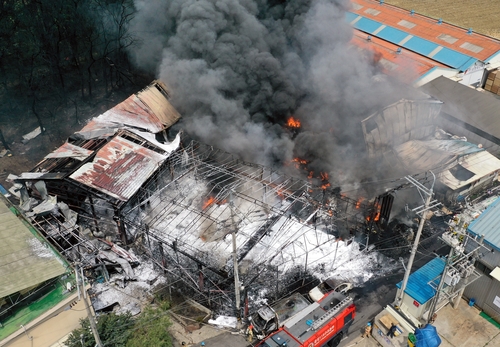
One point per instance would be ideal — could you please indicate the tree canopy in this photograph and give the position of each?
(148, 329)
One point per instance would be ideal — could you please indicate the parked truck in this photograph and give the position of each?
(319, 324)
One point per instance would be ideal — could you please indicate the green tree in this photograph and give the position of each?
(113, 329)
(151, 328)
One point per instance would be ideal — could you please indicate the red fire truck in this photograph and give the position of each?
(320, 324)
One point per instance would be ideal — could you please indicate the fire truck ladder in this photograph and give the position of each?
(330, 313)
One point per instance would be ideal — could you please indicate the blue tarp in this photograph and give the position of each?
(427, 337)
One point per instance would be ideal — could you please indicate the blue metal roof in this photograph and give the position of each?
(349, 16)
(413, 43)
(455, 59)
(418, 283)
(367, 25)
(392, 35)
(488, 224)
(421, 46)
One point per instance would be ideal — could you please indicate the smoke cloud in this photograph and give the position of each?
(238, 69)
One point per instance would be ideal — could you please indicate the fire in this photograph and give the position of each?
(298, 162)
(311, 173)
(211, 200)
(293, 122)
(323, 176)
(376, 213)
(326, 185)
(208, 202)
(358, 203)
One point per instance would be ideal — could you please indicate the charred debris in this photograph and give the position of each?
(119, 193)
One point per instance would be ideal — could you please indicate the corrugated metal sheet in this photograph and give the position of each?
(410, 39)
(392, 35)
(407, 67)
(68, 150)
(132, 112)
(488, 224)
(24, 260)
(419, 45)
(478, 289)
(119, 168)
(430, 29)
(367, 25)
(400, 122)
(418, 283)
(154, 97)
(426, 155)
(480, 110)
(482, 164)
(489, 307)
(454, 59)
(149, 110)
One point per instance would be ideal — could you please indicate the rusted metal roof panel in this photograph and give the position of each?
(132, 112)
(119, 168)
(149, 110)
(97, 128)
(68, 150)
(154, 97)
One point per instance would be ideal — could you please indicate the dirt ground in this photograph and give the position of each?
(480, 15)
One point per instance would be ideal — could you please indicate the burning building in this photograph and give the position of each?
(119, 187)
(406, 137)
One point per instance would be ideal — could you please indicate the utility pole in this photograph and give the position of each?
(435, 300)
(423, 211)
(456, 252)
(81, 289)
(235, 261)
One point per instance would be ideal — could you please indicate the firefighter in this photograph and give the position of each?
(250, 333)
(368, 330)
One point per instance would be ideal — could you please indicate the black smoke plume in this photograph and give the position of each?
(237, 69)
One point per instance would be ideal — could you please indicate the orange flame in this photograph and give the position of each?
(326, 185)
(293, 123)
(211, 200)
(323, 176)
(300, 161)
(208, 202)
(376, 218)
(311, 173)
(358, 203)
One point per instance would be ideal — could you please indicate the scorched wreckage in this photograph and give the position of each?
(127, 189)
